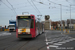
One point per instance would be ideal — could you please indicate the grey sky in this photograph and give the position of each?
(7, 13)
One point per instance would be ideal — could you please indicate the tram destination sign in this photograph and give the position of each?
(24, 17)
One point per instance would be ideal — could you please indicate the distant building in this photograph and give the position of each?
(66, 23)
(72, 21)
(0, 27)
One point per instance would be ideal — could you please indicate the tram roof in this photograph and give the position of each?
(25, 15)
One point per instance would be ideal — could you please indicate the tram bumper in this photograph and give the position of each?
(24, 36)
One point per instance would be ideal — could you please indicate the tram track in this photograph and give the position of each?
(18, 48)
(9, 46)
(14, 44)
(23, 45)
(41, 47)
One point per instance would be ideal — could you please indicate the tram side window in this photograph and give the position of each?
(32, 23)
(35, 24)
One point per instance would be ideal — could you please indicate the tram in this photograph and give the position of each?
(27, 26)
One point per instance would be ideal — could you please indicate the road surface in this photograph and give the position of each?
(8, 41)
(50, 40)
(57, 41)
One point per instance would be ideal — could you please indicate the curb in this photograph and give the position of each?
(69, 33)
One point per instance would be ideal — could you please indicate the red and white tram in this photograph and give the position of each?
(27, 26)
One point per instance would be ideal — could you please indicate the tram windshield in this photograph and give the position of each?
(25, 23)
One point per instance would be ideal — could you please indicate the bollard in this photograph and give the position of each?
(68, 31)
(64, 31)
(4, 30)
(60, 29)
(7, 29)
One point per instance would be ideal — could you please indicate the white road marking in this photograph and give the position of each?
(3, 34)
(56, 40)
(67, 41)
(73, 38)
(53, 41)
(61, 42)
(52, 46)
(47, 47)
(48, 43)
(57, 44)
(6, 33)
(69, 37)
(46, 39)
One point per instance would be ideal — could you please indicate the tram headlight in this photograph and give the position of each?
(19, 33)
(27, 32)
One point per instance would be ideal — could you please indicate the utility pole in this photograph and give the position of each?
(61, 16)
(70, 16)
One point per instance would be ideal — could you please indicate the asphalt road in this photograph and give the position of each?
(57, 41)
(8, 41)
(50, 40)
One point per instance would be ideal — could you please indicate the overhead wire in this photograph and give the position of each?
(68, 2)
(36, 7)
(59, 4)
(38, 2)
(31, 5)
(65, 6)
(42, 3)
(21, 7)
(25, 6)
(12, 7)
(48, 5)
(5, 4)
(19, 4)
